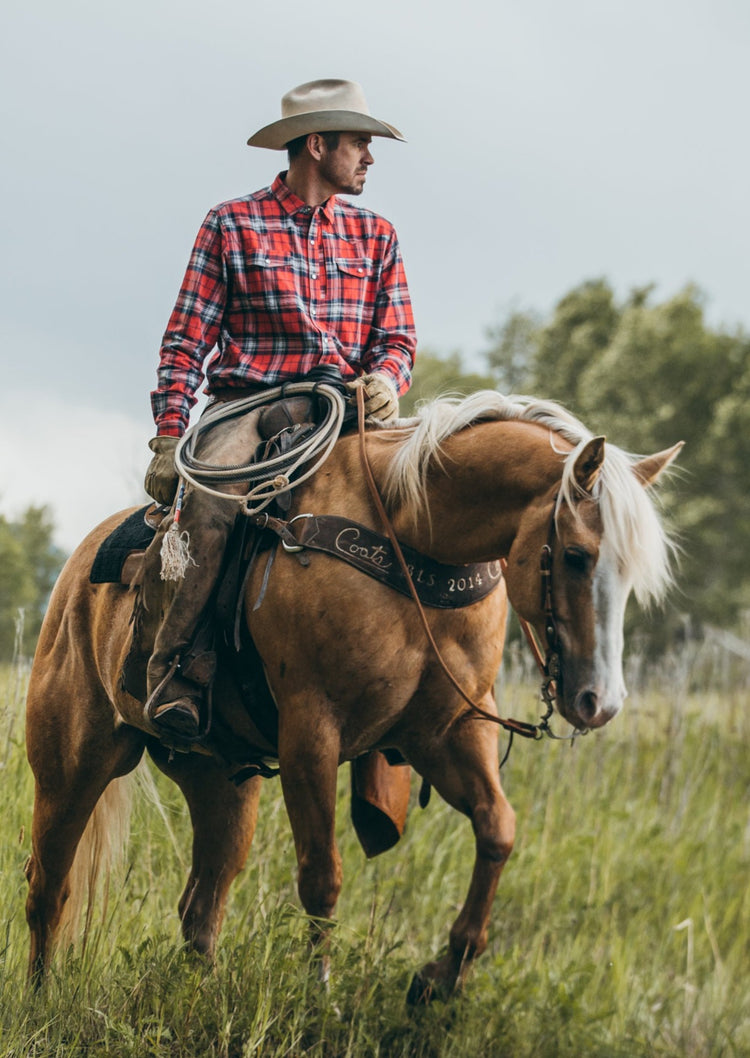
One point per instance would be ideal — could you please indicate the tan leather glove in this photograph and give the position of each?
(381, 399)
(161, 476)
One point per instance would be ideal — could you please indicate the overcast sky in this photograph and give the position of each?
(548, 143)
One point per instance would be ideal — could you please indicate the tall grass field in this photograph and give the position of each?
(621, 927)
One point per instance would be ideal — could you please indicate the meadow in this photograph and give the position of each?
(621, 927)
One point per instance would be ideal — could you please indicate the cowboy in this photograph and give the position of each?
(278, 282)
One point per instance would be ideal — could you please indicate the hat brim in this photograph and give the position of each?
(276, 135)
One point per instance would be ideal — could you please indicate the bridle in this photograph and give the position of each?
(550, 664)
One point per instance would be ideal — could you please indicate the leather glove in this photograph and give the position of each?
(381, 399)
(161, 476)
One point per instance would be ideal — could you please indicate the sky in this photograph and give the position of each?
(548, 143)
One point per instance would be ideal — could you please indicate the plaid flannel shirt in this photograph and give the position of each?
(278, 287)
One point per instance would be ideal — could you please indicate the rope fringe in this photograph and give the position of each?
(175, 547)
(175, 554)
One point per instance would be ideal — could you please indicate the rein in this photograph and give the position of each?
(549, 666)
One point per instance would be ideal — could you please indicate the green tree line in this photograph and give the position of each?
(29, 564)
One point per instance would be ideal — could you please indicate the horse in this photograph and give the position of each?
(468, 480)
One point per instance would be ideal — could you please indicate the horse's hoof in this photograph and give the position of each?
(421, 991)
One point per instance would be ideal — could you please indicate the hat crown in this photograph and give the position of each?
(326, 94)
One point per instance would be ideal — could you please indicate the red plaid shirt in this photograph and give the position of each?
(279, 287)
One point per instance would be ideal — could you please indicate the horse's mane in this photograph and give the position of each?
(630, 522)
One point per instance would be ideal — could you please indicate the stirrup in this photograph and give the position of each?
(153, 698)
(177, 723)
(181, 717)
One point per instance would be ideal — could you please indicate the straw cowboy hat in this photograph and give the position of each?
(322, 106)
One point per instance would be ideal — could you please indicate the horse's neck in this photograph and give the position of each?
(477, 493)
(487, 478)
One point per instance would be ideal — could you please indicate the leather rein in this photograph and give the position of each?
(549, 664)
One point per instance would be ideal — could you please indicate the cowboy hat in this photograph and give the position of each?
(322, 106)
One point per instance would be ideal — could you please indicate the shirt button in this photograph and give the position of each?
(360, 270)
(314, 311)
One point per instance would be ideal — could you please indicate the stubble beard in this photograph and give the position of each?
(350, 188)
(356, 188)
(344, 185)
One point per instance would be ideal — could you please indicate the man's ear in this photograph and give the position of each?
(315, 145)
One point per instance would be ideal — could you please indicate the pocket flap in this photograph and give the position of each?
(355, 266)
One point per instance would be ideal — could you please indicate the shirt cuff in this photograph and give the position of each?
(169, 429)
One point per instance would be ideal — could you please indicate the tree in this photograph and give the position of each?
(721, 519)
(513, 350)
(582, 327)
(438, 376)
(29, 564)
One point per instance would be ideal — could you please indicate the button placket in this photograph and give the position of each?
(313, 265)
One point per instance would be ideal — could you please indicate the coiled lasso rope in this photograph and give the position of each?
(267, 480)
(272, 477)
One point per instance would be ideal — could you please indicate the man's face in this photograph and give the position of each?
(345, 169)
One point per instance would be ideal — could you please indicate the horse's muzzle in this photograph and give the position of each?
(592, 709)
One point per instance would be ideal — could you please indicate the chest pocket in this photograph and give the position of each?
(355, 267)
(270, 280)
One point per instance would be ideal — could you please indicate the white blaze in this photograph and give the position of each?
(610, 590)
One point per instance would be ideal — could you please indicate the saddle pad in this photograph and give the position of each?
(134, 534)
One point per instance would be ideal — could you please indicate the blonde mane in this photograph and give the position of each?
(630, 522)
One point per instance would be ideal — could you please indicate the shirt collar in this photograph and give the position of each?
(292, 204)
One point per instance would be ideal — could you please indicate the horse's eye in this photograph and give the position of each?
(577, 560)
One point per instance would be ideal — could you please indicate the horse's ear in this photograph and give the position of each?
(647, 470)
(588, 464)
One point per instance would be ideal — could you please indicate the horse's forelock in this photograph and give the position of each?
(630, 522)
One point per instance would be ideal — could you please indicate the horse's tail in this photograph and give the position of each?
(99, 851)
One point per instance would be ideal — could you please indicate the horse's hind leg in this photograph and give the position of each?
(71, 775)
(223, 817)
(466, 776)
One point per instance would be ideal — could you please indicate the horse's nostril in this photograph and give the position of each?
(587, 705)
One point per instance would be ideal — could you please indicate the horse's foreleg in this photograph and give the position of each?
(308, 759)
(223, 817)
(467, 778)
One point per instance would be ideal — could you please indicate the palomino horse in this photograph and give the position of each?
(348, 662)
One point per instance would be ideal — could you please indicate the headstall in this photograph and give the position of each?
(549, 664)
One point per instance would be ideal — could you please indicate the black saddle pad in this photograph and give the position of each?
(134, 534)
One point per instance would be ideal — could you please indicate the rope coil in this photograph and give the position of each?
(272, 477)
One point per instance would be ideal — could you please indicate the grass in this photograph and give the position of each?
(621, 927)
